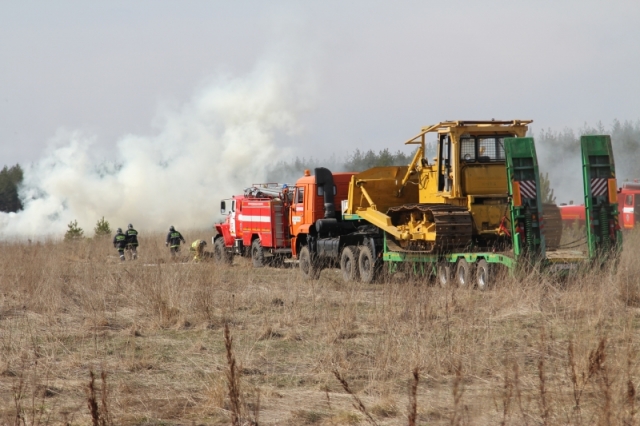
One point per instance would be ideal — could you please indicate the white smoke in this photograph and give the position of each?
(215, 145)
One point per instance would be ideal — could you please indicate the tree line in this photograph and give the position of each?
(10, 180)
(564, 145)
(291, 170)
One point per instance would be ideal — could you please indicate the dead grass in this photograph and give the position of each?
(530, 351)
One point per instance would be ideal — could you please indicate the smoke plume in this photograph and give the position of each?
(219, 142)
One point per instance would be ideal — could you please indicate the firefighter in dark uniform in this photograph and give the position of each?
(120, 242)
(173, 240)
(132, 241)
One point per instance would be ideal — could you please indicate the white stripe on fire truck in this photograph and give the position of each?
(248, 218)
(598, 187)
(528, 188)
(627, 210)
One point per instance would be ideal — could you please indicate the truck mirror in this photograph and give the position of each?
(223, 209)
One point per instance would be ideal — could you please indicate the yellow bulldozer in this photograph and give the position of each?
(457, 200)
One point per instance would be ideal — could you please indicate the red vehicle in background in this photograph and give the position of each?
(628, 207)
(256, 224)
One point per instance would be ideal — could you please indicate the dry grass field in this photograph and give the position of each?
(529, 351)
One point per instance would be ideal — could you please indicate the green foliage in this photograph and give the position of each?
(10, 178)
(102, 229)
(360, 161)
(74, 232)
(545, 189)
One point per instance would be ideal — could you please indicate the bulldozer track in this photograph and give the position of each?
(454, 226)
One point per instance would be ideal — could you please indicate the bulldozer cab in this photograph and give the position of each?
(470, 160)
(481, 164)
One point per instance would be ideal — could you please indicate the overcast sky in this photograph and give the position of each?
(369, 73)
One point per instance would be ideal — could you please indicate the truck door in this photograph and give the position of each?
(232, 219)
(297, 210)
(636, 209)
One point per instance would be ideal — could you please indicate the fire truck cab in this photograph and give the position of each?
(315, 199)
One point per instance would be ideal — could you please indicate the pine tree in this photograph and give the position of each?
(74, 233)
(102, 229)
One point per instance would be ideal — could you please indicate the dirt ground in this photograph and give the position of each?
(531, 350)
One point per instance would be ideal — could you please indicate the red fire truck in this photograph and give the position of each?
(628, 206)
(256, 224)
(272, 222)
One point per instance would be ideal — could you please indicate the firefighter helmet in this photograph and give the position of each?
(119, 231)
(171, 228)
(130, 226)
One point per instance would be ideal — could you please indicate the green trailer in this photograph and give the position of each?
(525, 226)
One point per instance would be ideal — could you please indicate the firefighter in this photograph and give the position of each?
(132, 241)
(120, 242)
(174, 237)
(198, 247)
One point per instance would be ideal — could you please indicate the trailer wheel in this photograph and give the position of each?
(308, 265)
(349, 264)
(443, 272)
(220, 253)
(482, 275)
(366, 265)
(463, 273)
(257, 255)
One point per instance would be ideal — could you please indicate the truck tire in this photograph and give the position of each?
(220, 253)
(443, 272)
(349, 264)
(257, 254)
(482, 275)
(367, 265)
(463, 273)
(309, 267)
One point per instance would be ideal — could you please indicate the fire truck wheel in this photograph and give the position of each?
(366, 265)
(482, 275)
(220, 253)
(308, 265)
(257, 255)
(349, 264)
(463, 273)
